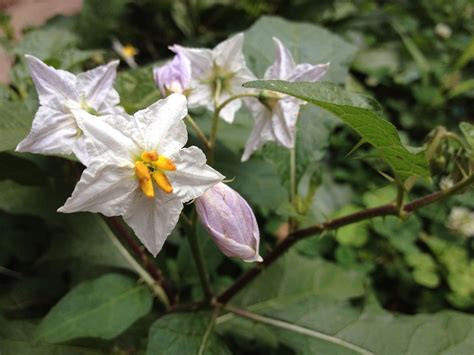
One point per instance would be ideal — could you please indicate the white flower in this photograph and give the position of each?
(140, 170)
(54, 129)
(217, 74)
(461, 220)
(276, 114)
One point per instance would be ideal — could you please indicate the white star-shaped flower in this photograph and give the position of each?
(217, 74)
(139, 169)
(54, 129)
(275, 114)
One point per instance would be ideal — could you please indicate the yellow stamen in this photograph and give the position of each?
(162, 181)
(129, 51)
(149, 156)
(144, 179)
(164, 163)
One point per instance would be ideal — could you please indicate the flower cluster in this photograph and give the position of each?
(137, 166)
(211, 78)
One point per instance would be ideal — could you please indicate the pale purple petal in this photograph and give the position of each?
(154, 219)
(161, 125)
(228, 54)
(285, 115)
(200, 59)
(106, 189)
(230, 221)
(96, 85)
(261, 132)
(52, 132)
(175, 76)
(283, 65)
(54, 86)
(308, 72)
(192, 176)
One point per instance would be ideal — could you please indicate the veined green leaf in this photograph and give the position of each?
(358, 113)
(101, 308)
(185, 333)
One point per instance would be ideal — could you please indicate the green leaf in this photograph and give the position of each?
(354, 234)
(16, 338)
(315, 296)
(136, 88)
(100, 21)
(82, 242)
(48, 43)
(307, 42)
(101, 308)
(468, 130)
(15, 123)
(185, 333)
(356, 112)
(21, 170)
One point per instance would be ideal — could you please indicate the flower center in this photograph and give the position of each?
(220, 79)
(152, 167)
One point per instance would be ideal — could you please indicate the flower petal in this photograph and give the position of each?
(161, 125)
(192, 176)
(107, 189)
(308, 72)
(153, 220)
(54, 86)
(200, 58)
(283, 65)
(200, 95)
(261, 132)
(284, 119)
(229, 110)
(107, 137)
(52, 132)
(97, 85)
(229, 53)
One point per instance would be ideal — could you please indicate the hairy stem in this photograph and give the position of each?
(198, 131)
(198, 259)
(144, 275)
(384, 210)
(294, 328)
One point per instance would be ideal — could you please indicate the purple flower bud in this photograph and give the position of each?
(230, 221)
(174, 76)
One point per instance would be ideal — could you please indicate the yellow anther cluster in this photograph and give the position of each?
(150, 167)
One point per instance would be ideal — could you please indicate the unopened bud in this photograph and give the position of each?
(173, 77)
(230, 221)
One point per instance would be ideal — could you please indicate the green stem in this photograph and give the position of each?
(198, 259)
(291, 221)
(215, 120)
(144, 275)
(207, 333)
(294, 328)
(198, 131)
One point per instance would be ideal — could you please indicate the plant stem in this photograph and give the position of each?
(198, 131)
(215, 120)
(384, 210)
(144, 275)
(140, 253)
(294, 328)
(291, 220)
(198, 259)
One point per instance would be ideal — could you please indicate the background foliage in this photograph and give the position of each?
(389, 286)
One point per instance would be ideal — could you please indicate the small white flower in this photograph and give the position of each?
(217, 74)
(275, 114)
(127, 52)
(140, 170)
(461, 220)
(54, 129)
